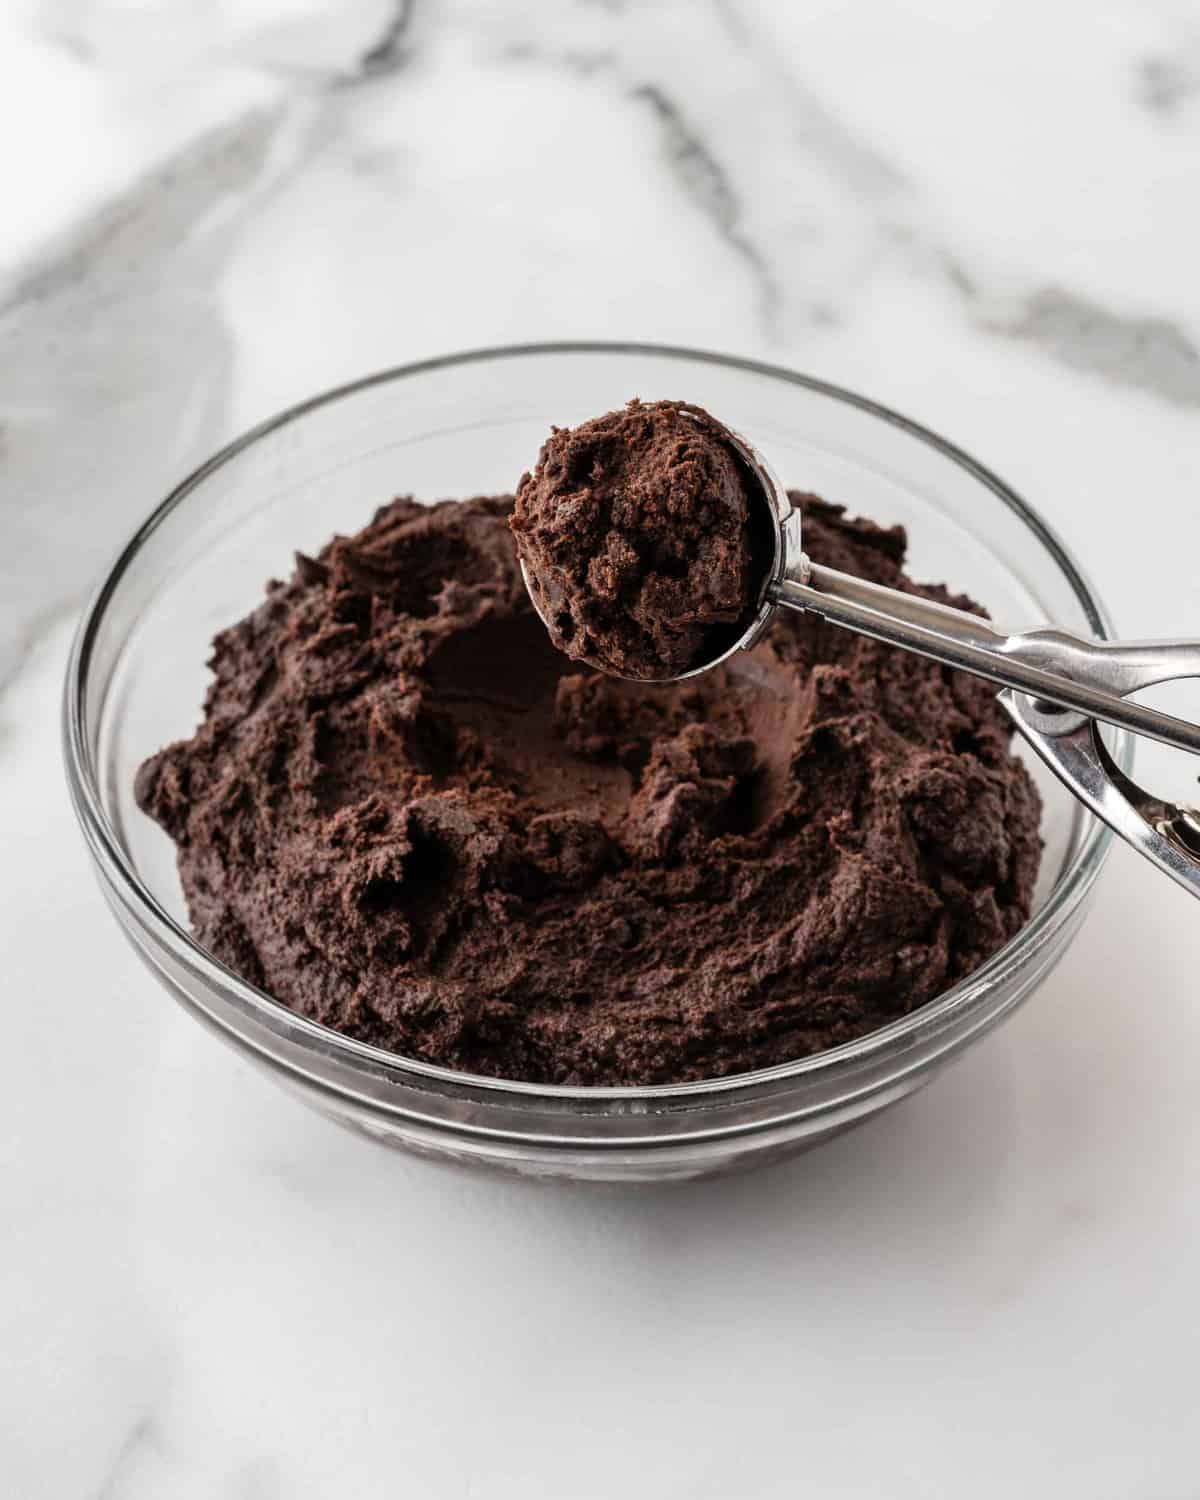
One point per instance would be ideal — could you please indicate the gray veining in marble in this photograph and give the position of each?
(981, 215)
(115, 370)
(390, 51)
(710, 187)
(1148, 354)
(139, 1442)
(1165, 84)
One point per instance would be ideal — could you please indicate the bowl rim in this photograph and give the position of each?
(114, 864)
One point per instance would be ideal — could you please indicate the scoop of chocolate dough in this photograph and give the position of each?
(408, 816)
(637, 531)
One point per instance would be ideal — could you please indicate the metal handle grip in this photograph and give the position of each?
(1047, 665)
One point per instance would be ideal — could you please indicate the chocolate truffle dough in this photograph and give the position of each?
(638, 537)
(408, 816)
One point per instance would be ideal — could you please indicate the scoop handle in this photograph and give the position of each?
(1167, 834)
(1050, 666)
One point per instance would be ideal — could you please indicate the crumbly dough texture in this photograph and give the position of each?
(637, 537)
(408, 816)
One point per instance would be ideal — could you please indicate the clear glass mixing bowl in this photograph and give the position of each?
(467, 425)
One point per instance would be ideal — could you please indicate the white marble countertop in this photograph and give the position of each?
(982, 215)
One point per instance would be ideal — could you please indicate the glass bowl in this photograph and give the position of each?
(470, 424)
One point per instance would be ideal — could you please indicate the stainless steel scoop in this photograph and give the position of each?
(1056, 685)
